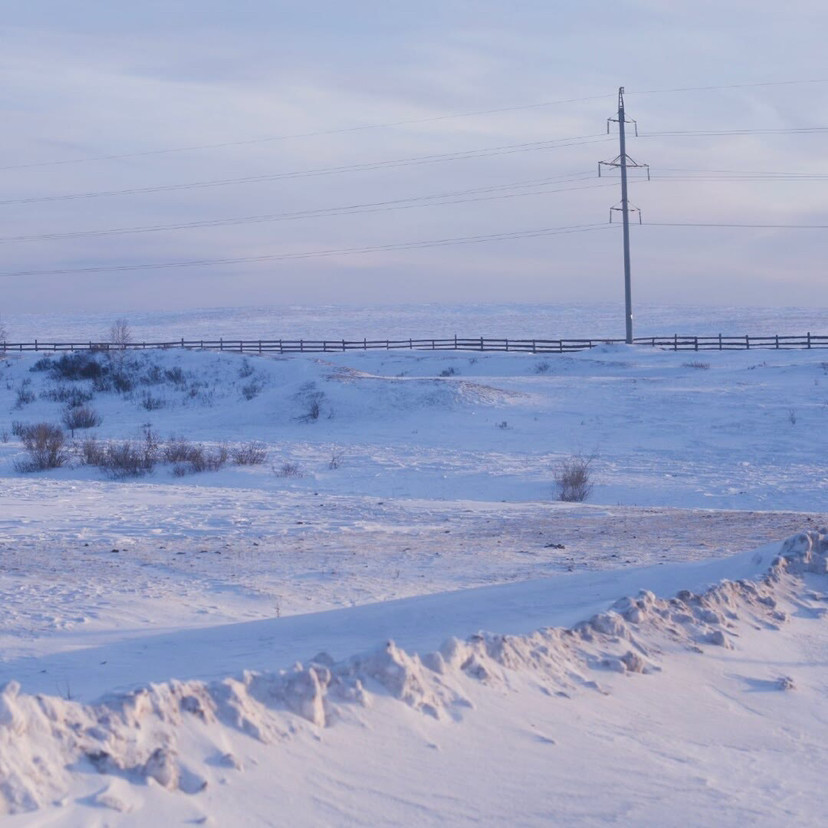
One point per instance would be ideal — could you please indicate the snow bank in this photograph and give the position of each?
(137, 737)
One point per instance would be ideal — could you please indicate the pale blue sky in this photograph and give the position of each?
(89, 79)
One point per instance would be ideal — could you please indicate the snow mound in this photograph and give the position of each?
(138, 737)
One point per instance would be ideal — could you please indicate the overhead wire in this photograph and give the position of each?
(493, 193)
(312, 134)
(485, 152)
(349, 251)
(399, 123)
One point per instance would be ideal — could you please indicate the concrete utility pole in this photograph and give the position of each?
(622, 162)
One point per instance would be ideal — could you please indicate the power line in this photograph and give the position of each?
(437, 200)
(446, 242)
(729, 86)
(392, 124)
(737, 225)
(275, 138)
(485, 152)
(817, 130)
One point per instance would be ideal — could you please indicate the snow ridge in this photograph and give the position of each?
(137, 737)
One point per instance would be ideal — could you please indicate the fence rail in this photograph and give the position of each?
(533, 346)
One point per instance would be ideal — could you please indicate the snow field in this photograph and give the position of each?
(148, 624)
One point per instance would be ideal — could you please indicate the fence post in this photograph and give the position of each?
(281, 347)
(507, 346)
(35, 346)
(260, 347)
(221, 343)
(481, 343)
(720, 342)
(410, 344)
(343, 344)
(777, 342)
(455, 342)
(747, 342)
(364, 343)
(696, 342)
(675, 342)
(809, 340)
(301, 346)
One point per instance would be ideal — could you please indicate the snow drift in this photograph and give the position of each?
(136, 738)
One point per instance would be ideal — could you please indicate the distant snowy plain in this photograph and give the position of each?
(409, 497)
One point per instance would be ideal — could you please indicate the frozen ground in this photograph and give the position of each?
(411, 497)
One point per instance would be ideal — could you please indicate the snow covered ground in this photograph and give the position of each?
(410, 497)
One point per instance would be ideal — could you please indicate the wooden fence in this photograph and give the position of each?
(532, 346)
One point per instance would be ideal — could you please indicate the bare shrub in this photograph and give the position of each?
(120, 334)
(252, 389)
(250, 454)
(337, 459)
(543, 367)
(72, 395)
(702, 366)
(573, 479)
(191, 458)
(76, 366)
(288, 470)
(43, 364)
(44, 443)
(25, 395)
(176, 377)
(792, 416)
(151, 403)
(130, 458)
(81, 416)
(312, 400)
(92, 453)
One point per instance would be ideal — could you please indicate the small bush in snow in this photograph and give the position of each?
(252, 389)
(176, 377)
(448, 372)
(25, 395)
(312, 399)
(44, 443)
(701, 366)
(288, 470)
(81, 416)
(246, 369)
(43, 364)
(130, 458)
(72, 395)
(92, 453)
(151, 403)
(573, 479)
(190, 458)
(250, 454)
(337, 458)
(792, 416)
(543, 367)
(17, 428)
(76, 366)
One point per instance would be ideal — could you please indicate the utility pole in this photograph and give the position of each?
(623, 161)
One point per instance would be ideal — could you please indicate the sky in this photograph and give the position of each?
(368, 152)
